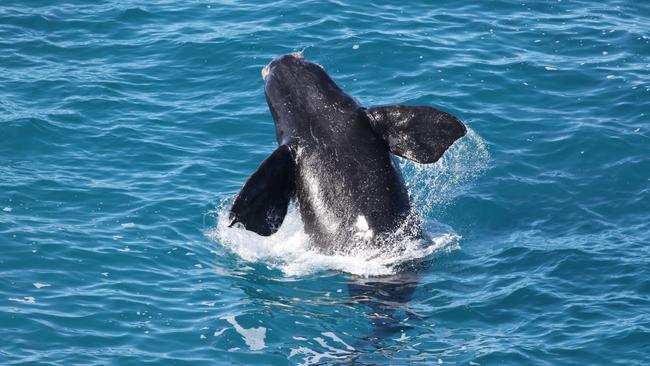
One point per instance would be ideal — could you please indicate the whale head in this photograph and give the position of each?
(297, 90)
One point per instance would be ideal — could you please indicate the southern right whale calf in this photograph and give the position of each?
(334, 158)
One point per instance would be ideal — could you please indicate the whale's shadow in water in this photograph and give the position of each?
(385, 296)
(387, 300)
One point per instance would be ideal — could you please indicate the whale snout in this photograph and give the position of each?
(288, 57)
(265, 72)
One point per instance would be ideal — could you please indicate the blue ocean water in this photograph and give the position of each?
(126, 128)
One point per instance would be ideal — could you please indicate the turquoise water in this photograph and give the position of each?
(126, 128)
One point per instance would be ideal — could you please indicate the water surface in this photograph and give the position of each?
(127, 127)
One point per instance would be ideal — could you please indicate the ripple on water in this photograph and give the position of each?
(124, 124)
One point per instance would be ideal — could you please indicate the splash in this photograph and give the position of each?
(434, 187)
(431, 187)
(291, 251)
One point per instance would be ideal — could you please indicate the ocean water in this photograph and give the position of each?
(127, 127)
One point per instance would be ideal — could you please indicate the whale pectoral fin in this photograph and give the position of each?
(421, 134)
(262, 203)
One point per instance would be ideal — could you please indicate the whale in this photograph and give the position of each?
(336, 160)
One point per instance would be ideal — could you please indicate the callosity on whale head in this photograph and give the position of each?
(334, 158)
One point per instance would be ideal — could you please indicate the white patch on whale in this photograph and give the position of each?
(363, 230)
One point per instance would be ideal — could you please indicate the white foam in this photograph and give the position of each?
(290, 251)
(41, 285)
(219, 332)
(335, 338)
(313, 357)
(7, 209)
(24, 300)
(253, 337)
(324, 344)
(403, 338)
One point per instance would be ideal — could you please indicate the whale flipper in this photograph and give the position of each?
(263, 201)
(421, 134)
